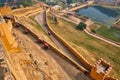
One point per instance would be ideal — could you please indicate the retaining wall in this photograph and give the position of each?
(57, 51)
(7, 42)
(81, 58)
(68, 46)
(10, 64)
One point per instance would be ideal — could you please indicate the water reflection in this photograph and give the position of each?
(108, 12)
(100, 14)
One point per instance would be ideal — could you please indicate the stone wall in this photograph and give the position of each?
(10, 46)
(80, 57)
(6, 35)
(102, 74)
(60, 53)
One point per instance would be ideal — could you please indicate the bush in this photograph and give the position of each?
(81, 26)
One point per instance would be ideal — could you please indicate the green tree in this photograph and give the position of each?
(81, 26)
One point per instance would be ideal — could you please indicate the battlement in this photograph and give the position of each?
(103, 67)
(100, 70)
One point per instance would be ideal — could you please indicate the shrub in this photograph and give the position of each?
(81, 26)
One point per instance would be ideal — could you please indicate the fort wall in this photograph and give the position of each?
(93, 68)
(10, 46)
(56, 50)
(80, 57)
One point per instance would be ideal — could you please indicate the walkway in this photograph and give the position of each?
(82, 6)
(100, 38)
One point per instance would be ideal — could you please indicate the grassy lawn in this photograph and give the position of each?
(91, 48)
(110, 33)
(107, 32)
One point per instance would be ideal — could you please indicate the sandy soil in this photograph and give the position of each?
(43, 66)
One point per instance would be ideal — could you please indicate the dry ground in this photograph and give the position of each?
(46, 68)
(49, 65)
